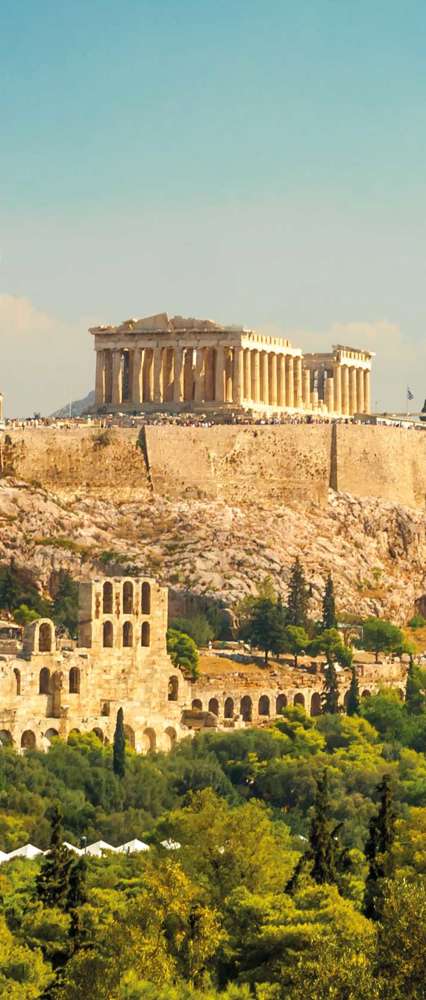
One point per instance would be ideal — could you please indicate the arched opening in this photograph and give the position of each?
(280, 704)
(98, 733)
(316, 703)
(173, 688)
(146, 599)
(127, 634)
(228, 708)
(399, 692)
(299, 699)
(214, 706)
(128, 598)
(149, 740)
(28, 740)
(51, 734)
(170, 737)
(366, 694)
(246, 708)
(197, 705)
(264, 705)
(17, 680)
(129, 734)
(74, 681)
(45, 640)
(108, 635)
(145, 634)
(107, 598)
(44, 681)
(5, 738)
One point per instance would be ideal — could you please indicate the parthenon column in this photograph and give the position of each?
(298, 382)
(329, 395)
(337, 388)
(353, 402)
(273, 379)
(255, 377)
(220, 369)
(237, 375)
(281, 380)
(306, 389)
(345, 390)
(247, 374)
(367, 391)
(199, 375)
(264, 378)
(100, 378)
(178, 375)
(360, 390)
(157, 374)
(290, 380)
(137, 393)
(116, 378)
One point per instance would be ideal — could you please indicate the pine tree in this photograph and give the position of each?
(415, 699)
(353, 702)
(52, 882)
(297, 605)
(75, 898)
(322, 837)
(378, 850)
(330, 694)
(119, 748)
(329, 619)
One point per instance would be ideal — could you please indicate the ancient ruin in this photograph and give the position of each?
(173, 364)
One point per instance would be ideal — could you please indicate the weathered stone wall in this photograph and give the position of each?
(385, 462)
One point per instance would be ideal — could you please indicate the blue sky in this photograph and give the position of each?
(253, 162)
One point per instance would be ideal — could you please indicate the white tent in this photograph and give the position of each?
(132, 847)
(97, 849)
(27, 851)
(170, 845)
(72, 847)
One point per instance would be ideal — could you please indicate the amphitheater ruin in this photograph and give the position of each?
(174, 363)
(52, 687)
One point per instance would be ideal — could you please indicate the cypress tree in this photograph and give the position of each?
(119, 748)
(330, 694)
(322, 837)
(75, 898)
(353, 702)
(297, 606)
(414, 691)
(329, 619)
(52, 882)
(378, 850)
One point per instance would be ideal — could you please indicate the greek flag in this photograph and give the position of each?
(410, 395)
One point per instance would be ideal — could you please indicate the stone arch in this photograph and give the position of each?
(74, 680)
(98, 732)
(107, 598)
(264, 705)
(17, 674)
(6, 739)
(145, 634)
(45, 637)
(197, 705)
(299, 699)
(127, 634)
(214, 706)
(44, 681)
(28, 740)
(149, 740)
(401, 694)
(51, 734)
(228, 708)
(128, 597)
(366, 693)
(108, 635)
(281, 703)
(129, 734)
(246, 708)
(146, 599)
(316, 703)
(170, 737)
(173, 688)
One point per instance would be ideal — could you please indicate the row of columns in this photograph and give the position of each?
(349, 391)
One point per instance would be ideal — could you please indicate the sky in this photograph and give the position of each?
(252, 162)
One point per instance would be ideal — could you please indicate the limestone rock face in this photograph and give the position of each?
(212, 549)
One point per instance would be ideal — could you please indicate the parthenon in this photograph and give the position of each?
(176, 364)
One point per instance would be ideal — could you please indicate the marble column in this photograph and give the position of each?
(116, 378)
(290, 380)
(238, 376)
(188, 375)
(247, 374)
(306, 389)
(367, 391)
(219, 388)
(199, 375)
(337, 388)
(229, 376)
(281, 380)
(255, 377)
(345, 390)
(100, 378)
(298, 398)
(178, 375)
(353, 402)
(329, 395)
(264, 378)
(137, 392)
(360, 389)
(158, 360)
(273, 380)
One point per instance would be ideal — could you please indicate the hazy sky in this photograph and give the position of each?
(255, 162)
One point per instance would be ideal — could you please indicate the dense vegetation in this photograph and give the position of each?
(301, 872)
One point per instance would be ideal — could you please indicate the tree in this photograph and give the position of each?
(329, 619)
(330, 694)
(380, 636)
(65, 604)
(330, 643)
(378, 850)
(322, 836)
(353, 702)
(198, 627)
(297, 604)
(52, 882)
(295, 640)
(415, 692)
(119, 747)
(182, 651)
(264, 627)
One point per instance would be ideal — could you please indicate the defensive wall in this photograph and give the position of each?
(289, 463)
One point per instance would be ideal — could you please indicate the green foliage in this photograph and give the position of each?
(65, 603)
(198, 627)
(119, 746)
(353, 703)
(417, 621)
(183, 652)
(298, 596)
(52, 882)
(17, 588)
(378, 850)
(380, 636)
(295, 641)
(415, 692)
(329, 619)
(264, 626)
(330, 643)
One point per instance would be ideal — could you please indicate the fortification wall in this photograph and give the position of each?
(385, 462)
